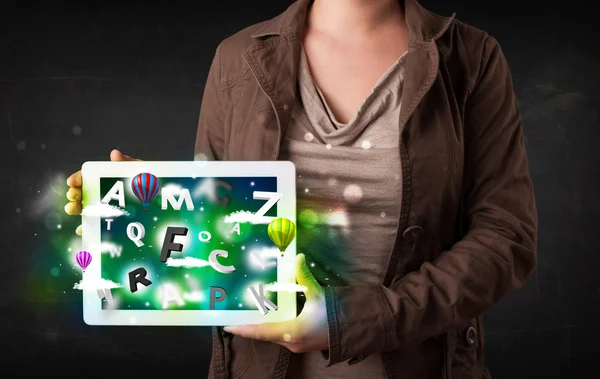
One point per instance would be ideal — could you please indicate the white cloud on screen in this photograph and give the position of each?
(103, 210)
(284, 287)
(187, 262)
(95, 284)
(246, 217)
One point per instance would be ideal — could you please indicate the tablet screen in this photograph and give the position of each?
(215, 246)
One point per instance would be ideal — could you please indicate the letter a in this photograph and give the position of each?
(170, 295)
(115, 193)
(235, 229)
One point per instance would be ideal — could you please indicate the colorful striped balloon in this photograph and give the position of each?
(145, 187)
(282, 232)
(83, 259)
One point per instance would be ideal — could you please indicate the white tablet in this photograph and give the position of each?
(188, 243)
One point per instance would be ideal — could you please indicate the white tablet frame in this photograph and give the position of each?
(284, 171)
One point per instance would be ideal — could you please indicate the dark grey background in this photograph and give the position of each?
(79, 79)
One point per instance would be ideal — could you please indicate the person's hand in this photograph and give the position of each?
(73, 207)
(308, 331)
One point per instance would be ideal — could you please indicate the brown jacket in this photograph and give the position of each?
(468, 226)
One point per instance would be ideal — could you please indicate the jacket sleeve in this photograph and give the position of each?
(210, 136)
(494, 258)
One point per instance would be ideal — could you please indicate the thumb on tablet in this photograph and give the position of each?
(117, 156)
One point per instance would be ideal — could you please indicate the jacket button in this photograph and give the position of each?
(471, 336)
(412, 233)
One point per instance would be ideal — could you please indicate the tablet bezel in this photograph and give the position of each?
(93, 314)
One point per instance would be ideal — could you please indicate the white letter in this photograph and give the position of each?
(167, 196)
(236, 228)
(212, 259)
(261, 301)
(137, 237)
(105, 294)
(115, 193)
(108, 222)
(170, 295)
(272, 198)
(115, 251)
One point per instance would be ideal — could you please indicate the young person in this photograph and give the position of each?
(416, 211)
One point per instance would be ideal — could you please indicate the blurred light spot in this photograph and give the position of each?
(328, 146)
(21, 145)
(77, 130)
(43, 146)
(306, 190)
(382, 214)
(252, 184)
(54, 271)
(155, 218)
(18, 210)
(353, 193)
(287, 337)
(308, 218)
(52, 221)
(338, 218)
(308, 137)
(366, 144)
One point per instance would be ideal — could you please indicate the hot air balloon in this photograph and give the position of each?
(83, 259)
(282, 232)
(145, 187)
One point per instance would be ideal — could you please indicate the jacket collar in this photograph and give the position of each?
(273, 59)
(423, 25)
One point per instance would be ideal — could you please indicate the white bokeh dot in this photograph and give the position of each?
(382, 214)
(21, 145)
(366, 144)
(353, 193)
(328, 146)
(308, 137)
(77, 130)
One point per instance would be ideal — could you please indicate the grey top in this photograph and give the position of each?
(349, 190)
